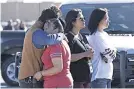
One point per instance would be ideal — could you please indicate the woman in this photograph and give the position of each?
(105, 53)
(81, 53)
(56, 59)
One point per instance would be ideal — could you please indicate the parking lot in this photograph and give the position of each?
(3, 84)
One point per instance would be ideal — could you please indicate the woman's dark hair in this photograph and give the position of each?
(96, 16)
(59, 26)
(63, 22)
(52, 12)
(70, 18)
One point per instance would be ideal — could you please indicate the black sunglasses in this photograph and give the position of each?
(82, 18)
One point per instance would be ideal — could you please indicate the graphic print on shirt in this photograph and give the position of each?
(108, 52)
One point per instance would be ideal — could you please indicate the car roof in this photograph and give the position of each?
(96, 1)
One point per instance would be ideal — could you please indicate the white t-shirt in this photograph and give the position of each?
(101, 43)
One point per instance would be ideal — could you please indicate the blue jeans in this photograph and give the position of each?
(101, 83)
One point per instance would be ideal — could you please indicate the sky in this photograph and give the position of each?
(30, 1)
(42, 0)
(38, 1)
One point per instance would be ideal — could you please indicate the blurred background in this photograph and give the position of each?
(21, 14)
(18, 15)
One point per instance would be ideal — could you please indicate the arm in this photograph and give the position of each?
(76, 57)
(57, 67)
(57, 61)
(105, 48)
(40, 38)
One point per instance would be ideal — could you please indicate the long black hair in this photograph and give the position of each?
(96, 16)
(70, 18)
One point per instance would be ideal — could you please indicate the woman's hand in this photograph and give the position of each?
(38, 75)
(89, 53)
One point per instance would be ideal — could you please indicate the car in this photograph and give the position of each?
(11, 42)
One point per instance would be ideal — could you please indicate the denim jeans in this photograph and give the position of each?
(101, 83)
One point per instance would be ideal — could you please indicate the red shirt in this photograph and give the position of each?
(64, 78)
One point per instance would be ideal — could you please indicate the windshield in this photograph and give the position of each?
(121, 14)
